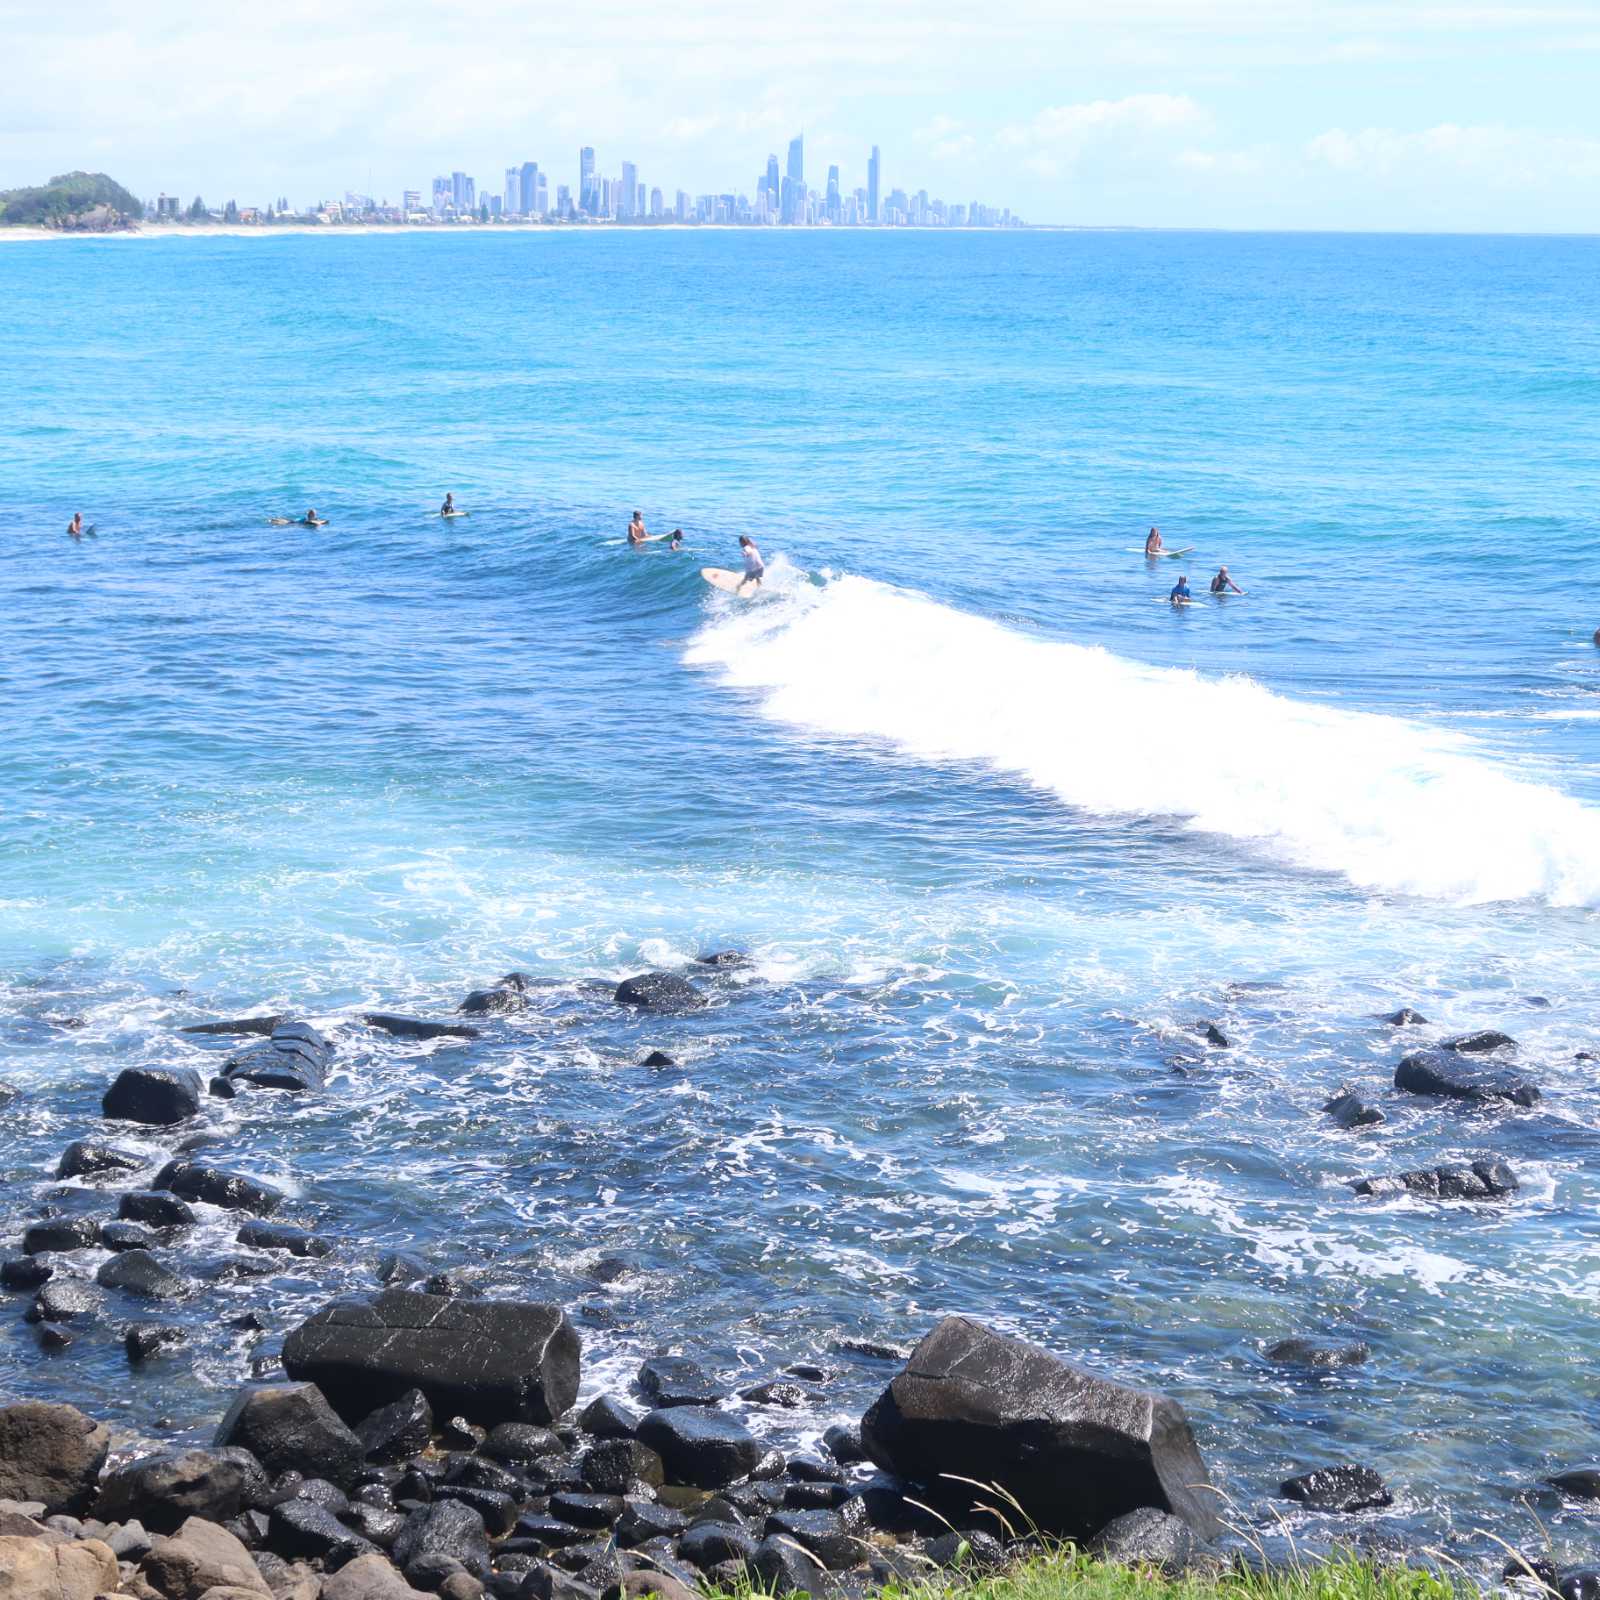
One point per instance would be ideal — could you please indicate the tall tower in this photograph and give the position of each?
(833, 194)
(528, 188)
(794, 181)
(587, 198)
(630, 188)
(774, 187)
(872, 185)
(513, 200)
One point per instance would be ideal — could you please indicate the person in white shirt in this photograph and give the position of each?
(754, 567)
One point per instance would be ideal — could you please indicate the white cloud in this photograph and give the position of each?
(1060, 137)
(1512, 158)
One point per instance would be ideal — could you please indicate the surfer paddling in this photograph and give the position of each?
(636, 533)
(312, 520)
(1180, 595)
(754, 567)
(1152, 544)
(1223, 584)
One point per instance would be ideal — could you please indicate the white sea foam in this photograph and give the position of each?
(1389, 803)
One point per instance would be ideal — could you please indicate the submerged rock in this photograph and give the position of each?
(217, 1188)
(1307, 1353)
(156, 1210)
(147, 1340)
(504, 995)
(416, 1028)
(1483, 1180)
(261, 1025)
(1074, 1449)
(60, 1233)
(154, 1095)
(1442, 1072)
(1479, 1043)
(1405, 1017)
(295, 1058)
(1350, 1487)
(137, 1272)
(489, 1360)
(1582, 1483)
(659, 992)
(1350, 1111)
(725, 959)
(83, 1158)
(283, 1236)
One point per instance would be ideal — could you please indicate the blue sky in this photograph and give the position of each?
(1230, 113)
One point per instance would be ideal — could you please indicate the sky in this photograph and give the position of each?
(1152, 113)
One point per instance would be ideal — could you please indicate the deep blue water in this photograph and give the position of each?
(997, 824)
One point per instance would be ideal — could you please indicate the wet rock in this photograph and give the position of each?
(161, 1491)
(43, 1569)
(1579, 1585)
(137, 1272)
(1073, 1448)
(1349, 1110)
(303, 1528)
(1582, 1483)
(659, 992)
(1350, 1487)
(497, 1508)
(708, 1543)
(521, 1442)
(813, 1496)
(823, 1533)
(975, 1552)
(1307, 1353)
(155, 1095)
(291, 1425)
(843, 1442)
(725, 959)
(1440, 1072)
(84, 1158)
(201, 1556)
(53, 1338)
(503, 996)
(63, 1300)
(677, 1381)
(446, 1528)
(147, 1340)
(52, 1454)
(1405, 1017)
(238, 1025)
(643, 1520)
(397, 1431)
(613, 1465)
(24, 1272)
(1479, 1043)
(416, 1028)
(702, 1448)
(231, 1191)
(284, 1236)
(782, 1569)
(295, 1058)
(456, 1433)
(775, 1393)
(1483, 1180)
(60, 1234)
(586, 1510)
(1146, 1538)
(396, 1269)
(127, 1236)
(658, 1058)
(220, 1088)
(485, 1359)
(156, 1210)
(1213, 1035)
(874, 1349)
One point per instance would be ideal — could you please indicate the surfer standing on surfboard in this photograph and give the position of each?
(754, 567)
(1152, 545)
(636, 533)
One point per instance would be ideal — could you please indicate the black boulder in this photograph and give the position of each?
(156, 1095)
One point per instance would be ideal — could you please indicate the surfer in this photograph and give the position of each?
(636, 533)
(1222, 583)
(1152, 545)
(75, 527)
(754, 567)
(676, 541)
(1180, 595)
(448, 509)
(312, 520)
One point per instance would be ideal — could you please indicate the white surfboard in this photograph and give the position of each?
(732, 582)
(1188, 550)
(448, 514)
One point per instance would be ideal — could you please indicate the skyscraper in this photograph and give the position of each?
(630, 188)
(513, 201)
(588, 189)
(528, 188)
(774, 187)
(443, 194)
(872, 186)
(833, 194)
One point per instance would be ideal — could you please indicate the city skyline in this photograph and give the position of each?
(527, 193)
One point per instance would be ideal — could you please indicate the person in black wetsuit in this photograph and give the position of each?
(1222, 583)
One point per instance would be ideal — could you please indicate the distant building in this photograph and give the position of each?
(774, 186)
(873, 177)
(588, 185)
(443, 195)
(657, 205)
(528, 188)
(833, 207)
(541, 194)
(563, 200)
(167, 207)
(630, 188)
(683, 206)
(411, 200)
(513, 192)
(794, 181)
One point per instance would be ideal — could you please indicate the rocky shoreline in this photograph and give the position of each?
(421, 1439)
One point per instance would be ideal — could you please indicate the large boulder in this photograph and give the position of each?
(201, 1556)
(291, 1427)
(659, 991)
(60, 1233)
(700, 1447)
(447, 1528)
(157, 1210)
(1483, 1180)
(32, 1568)
(229, 1190)
(1074, 1449)
(158, 1095)
(52, 1454)
(137, 1272)
(86, 1158)
(296, 1058)
(164, 1490)
(1443, 1072)
(504, 995)
(486, 1360)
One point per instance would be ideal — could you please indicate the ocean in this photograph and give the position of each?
(998, 827)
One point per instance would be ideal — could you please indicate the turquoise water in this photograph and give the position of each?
(997, 825)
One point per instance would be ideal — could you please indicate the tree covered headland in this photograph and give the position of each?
(73, 200)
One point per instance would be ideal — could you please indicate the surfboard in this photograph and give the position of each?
(279, 522)
(455, 513)
(1188, 550)
(721, 578)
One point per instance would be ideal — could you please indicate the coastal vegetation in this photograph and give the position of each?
(73, 201)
